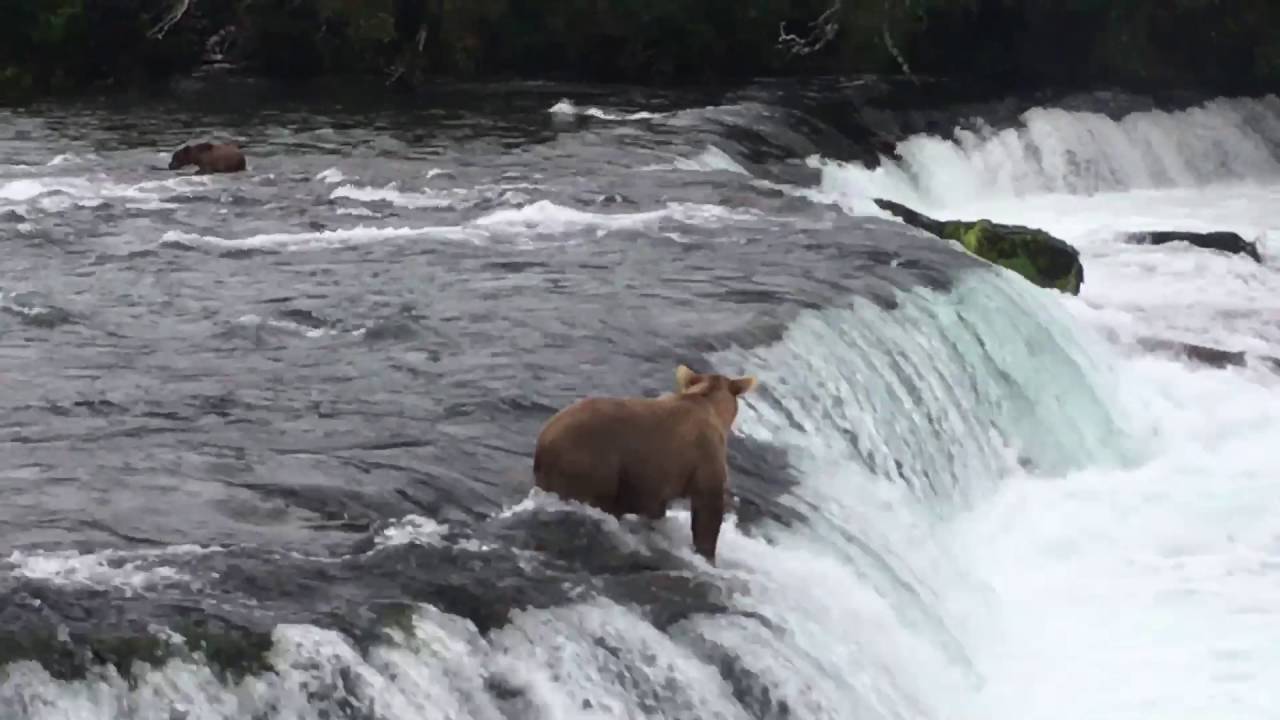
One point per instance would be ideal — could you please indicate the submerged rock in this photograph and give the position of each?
(1206, 355)
(1225, 241)
(1202, 354)
(1034, 254)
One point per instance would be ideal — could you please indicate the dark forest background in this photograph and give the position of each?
(1225, 46)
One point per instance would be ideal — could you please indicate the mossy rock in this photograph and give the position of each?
(234, 653)
(1034, 254)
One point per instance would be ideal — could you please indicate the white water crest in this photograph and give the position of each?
(391, 195)
(713, 159)
(1058, 151)
(514, 224)
(349, 237)
(33, 197)
(937, 392)
(568, 107)
(131, 570)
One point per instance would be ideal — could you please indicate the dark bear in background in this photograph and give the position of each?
(209, 158)
(637, 455)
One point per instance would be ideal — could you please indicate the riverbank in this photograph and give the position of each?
(61, 47)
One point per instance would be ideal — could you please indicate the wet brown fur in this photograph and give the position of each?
(209, 158)
(637, 455)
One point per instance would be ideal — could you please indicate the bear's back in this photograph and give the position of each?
(655, 443)
(223, 158)
(602, 421)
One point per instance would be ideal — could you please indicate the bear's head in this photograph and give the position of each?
(189, 155)
(721, 390)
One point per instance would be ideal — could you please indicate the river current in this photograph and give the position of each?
(267, 436)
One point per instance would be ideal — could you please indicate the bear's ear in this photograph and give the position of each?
(685, 378)
(742, 385)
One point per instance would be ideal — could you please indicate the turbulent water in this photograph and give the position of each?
(267, 437)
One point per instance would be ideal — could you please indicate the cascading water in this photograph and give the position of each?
(1142, 590)
(1057, 151)
(891, 416)
(896, 420)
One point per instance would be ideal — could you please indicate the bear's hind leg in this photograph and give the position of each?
(637, 499)
(707, 501)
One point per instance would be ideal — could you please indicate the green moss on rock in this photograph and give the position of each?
(236, 652)
(1034, 254)
(66, 658)
(231, 651)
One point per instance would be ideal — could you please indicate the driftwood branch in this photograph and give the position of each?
(891, 46)
(180, 8)
(821, 32)
(402, 66)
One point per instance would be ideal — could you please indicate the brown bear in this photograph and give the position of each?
(209, 158)
(636, 455)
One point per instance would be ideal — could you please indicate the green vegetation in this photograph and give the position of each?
(64, 45)
(233, 651)
(1034, 254)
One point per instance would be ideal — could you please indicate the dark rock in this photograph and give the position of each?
(1034, 254)
(72, 633)
(1225, 241)
(1205, 355)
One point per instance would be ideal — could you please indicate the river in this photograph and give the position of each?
(268, 436)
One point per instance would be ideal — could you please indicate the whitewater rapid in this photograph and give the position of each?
(1122, 590)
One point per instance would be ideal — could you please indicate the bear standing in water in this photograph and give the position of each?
(209, 158)
(636, 455)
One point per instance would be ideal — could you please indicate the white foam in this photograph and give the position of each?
(713, 159)
(259, 321)
(412, 529)
(1164, 575)
(541, 217)
(24, 189)
(568, 107)
(347, 237)
(128, 570)
(391, 195)
(71, 158)
(54, 194)
(548, 217)
(331, 176)
(584, 658)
